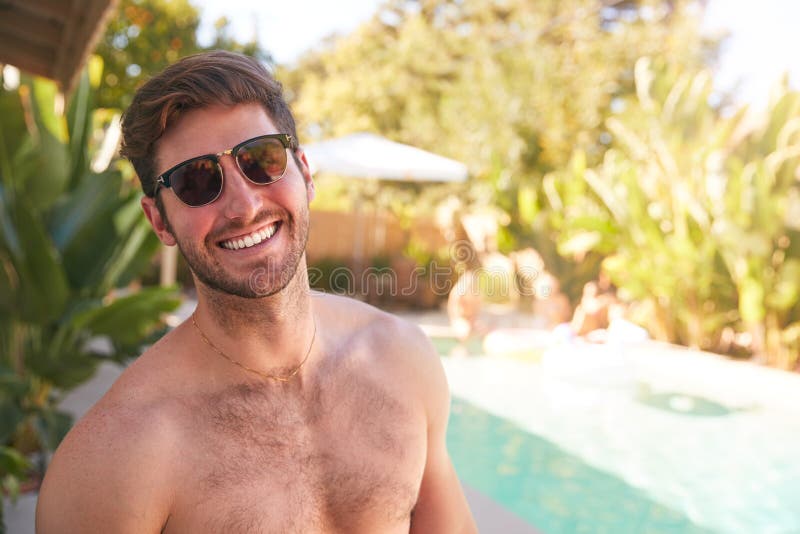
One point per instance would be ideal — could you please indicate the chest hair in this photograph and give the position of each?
(297, 462)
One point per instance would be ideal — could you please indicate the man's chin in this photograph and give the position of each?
(250, 278)
(258, 282)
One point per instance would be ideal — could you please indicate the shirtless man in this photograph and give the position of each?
(272, 409)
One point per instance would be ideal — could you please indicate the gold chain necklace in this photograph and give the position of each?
(284, 378)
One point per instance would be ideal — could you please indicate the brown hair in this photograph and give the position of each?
(196, 81)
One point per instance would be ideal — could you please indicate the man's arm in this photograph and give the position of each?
(106, 476)
(441, 506)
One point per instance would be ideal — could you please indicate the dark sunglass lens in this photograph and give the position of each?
(263, 161)
(198, 182)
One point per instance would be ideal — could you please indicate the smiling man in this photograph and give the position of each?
(272, 409)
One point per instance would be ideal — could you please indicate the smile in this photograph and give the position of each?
(250, 240)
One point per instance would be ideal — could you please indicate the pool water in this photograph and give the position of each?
(650, 439)
(447, 346)
(545, 485)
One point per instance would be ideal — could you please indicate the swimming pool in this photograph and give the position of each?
(657, 440)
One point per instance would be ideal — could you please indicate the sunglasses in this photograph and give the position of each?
(198, 181)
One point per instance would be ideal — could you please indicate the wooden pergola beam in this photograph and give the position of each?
(52, 38)
(29, 28)
(31, 57)
(79, 38)
(53, 9)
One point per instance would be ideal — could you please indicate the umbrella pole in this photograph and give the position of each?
(358, 241)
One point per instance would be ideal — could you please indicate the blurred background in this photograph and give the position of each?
(591, 207)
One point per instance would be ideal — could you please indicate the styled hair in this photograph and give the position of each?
(197, 81)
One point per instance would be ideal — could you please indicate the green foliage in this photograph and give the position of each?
(332, 275)
(12, 467)
(147, 35)
(510, 88)
(757, 227)
(695, 212)
(141, 39)
(224, 40)
(594, 154)
(69, 237)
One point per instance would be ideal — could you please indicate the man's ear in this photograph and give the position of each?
(158, 223)
(306, 171)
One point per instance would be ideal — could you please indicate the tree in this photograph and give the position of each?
(147, 35)
(144, 37)
(223, 40)
(510, 88)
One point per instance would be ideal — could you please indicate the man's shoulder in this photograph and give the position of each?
(127, 420)
(381, 344)
(126, 440)
(121, 446)
(368, 325)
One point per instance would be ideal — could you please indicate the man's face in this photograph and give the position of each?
(210, 237)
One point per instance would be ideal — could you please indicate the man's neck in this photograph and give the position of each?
(262, 333)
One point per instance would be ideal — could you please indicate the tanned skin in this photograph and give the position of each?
(187, 442)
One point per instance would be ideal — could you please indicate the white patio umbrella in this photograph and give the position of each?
(370, 156)
(366, 155)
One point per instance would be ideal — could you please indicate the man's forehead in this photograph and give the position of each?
(210, 130)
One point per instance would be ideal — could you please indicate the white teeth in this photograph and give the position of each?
(250, 240)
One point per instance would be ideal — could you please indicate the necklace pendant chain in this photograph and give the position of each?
(279, 378)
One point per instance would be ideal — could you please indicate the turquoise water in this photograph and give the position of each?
(446, 345)
(647, 439)
(546, 486)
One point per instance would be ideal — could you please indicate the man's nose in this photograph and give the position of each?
(239, 197)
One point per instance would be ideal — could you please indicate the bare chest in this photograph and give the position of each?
(348, 460)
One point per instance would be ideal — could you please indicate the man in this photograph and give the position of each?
(272, 409)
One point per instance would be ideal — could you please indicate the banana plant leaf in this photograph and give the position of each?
(68, 237)
(42, 288)
(129, 318)
(51, 426)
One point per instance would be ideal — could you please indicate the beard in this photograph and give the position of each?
(269, 277)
